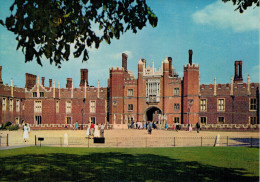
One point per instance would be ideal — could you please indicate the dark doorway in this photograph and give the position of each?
(152, 114)
(38, 120)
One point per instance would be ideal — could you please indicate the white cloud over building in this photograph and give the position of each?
(223, 16)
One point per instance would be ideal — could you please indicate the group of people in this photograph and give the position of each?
(149, 125)
(141, 125)
(95, 130)
(197, 127)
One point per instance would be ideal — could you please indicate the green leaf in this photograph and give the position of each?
(85, 56)
(67, 15)
(1, 22)
(9, 21)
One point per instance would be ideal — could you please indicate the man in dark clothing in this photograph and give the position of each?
(198, 127)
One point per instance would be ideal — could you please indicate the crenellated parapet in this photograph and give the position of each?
(191, 67)
(116, 69)
(131, 82)
(6, 90)
(225, 89)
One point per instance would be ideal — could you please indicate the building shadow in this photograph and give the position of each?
(114, 166)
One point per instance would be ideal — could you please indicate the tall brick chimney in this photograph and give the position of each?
(1, 81)
(124, 61)
(190, 57)
(50, 83)
(83, 77)
(240, 70)
(69, 83)
(170, 65)
(30, 80)
(238, 75)
(236, 70)
(43, 78)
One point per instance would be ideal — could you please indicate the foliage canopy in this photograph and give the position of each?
(51, 27)
(242, 5)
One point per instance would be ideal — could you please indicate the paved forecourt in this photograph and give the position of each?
(130, 138)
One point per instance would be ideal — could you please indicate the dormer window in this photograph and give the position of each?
(34, 94)
(41, 94)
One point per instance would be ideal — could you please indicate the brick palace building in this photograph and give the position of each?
(156, 95)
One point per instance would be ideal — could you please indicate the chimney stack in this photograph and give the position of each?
(83, 77)
(240, 70)
(30, 80)
(190, 57)
(1, 81)
(238, 75)
(124, 61)
(170, 65)
(43, 78)
(236, 70)
(50, 82)
(69, 83)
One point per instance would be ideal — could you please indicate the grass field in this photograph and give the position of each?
(130, 164)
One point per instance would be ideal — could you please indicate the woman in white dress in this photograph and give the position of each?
(26, 131)
(96, 132)
(88, 130)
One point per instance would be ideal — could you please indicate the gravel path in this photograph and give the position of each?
(130, 138)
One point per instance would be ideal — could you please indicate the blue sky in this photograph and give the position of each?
(217, 35)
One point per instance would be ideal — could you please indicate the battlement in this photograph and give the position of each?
(211, 86)
(206, 86)
(17, 89)
(188, 66)
(28, 75)
(226, 89)
(117, 69)
(253, 85)
(131, 82)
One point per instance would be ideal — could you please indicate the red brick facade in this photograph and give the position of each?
(157, 94)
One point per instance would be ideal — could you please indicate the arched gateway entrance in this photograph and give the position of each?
(152, 113)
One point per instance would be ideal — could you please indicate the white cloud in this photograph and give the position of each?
(223, 16)
(119, 55)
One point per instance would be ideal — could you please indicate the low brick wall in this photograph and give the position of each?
(222, 127)
(213, 127)
(60, 127)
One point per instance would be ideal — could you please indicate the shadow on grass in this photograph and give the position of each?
(254, 142)
(112, 166)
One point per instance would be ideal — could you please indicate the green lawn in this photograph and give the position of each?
(133, 164)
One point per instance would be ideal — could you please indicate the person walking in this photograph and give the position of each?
(76, 126)
(92, 126)
(190, 128)
(88, 131)
(96, 132)
(173, 127)
(26, 130)
(102, 129)
(150, 125)
(23, 123)
(198, 127)
(177, 127)
(166, 126)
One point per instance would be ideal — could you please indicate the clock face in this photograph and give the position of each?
(114, 103)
